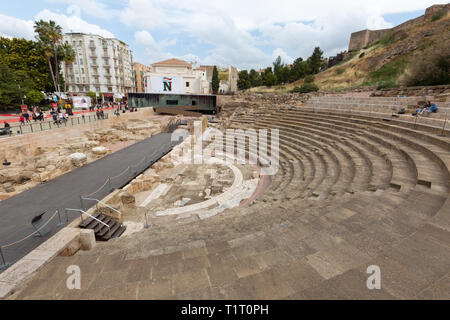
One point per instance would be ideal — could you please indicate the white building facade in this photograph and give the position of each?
(101, 65)
(177, 77)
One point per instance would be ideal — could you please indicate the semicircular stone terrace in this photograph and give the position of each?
(350, 192)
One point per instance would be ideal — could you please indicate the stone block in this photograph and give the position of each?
(8, 187)
(99, 151)
(87, 239)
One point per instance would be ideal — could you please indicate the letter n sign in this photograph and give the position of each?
(167, 82)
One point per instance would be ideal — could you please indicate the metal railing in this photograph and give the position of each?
(98, 202)
(90, 216)
(48, 125)
(123, 178)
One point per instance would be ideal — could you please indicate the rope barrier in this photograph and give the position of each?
(115, 177)
(32, 234)
(104, 184)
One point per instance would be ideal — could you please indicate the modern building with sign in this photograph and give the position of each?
(174, 76)
(101, 65)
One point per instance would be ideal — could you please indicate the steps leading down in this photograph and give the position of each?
(109, 229)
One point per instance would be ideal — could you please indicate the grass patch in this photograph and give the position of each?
(305, 88)
(386, 76)
(339, 70)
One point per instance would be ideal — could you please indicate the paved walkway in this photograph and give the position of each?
(64, 192)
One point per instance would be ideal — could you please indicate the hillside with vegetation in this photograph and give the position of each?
(418, 55)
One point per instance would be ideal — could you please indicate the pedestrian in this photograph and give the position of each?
(22, 119)
(27, 117)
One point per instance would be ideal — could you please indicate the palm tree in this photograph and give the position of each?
(49, 34)
(67, 55)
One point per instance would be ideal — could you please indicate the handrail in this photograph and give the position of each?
(98, 201)
(82, 211)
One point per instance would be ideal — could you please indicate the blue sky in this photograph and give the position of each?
(245, 34)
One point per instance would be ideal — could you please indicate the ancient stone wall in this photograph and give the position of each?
(360, 39)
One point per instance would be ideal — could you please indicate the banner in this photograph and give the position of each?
(166, 85)
(81, 102)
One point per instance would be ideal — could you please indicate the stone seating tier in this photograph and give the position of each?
(334, 208)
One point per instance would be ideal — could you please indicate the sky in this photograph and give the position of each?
(243, 33)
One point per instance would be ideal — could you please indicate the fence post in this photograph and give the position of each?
(146, 220)
(4, 264)
(59, 217)
(443, 127)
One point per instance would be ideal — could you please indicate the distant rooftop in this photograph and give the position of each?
(172, 62)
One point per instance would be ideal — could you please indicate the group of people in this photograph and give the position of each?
(427, 108)
(58, 116)
(124, 109)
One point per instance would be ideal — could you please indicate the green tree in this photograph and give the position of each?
(49, 35)
(34, 97)
(92, 95)
(27, 57)
(315, 61)
(269, 79)
(298, 70)
(66, 54)
(255, 78)
(243, 82)
(14, 85)
(278, 70)
(215, 80)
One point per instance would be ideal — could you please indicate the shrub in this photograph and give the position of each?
(388, 74)
(307, 87)
(431, 68)
(309, 79)
(362, 55)
(439, 15)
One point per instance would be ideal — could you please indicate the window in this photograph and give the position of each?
(187, 84)
(172, 102)
(194, 103)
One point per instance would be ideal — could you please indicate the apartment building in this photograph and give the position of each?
(101, 65)
(140, 70)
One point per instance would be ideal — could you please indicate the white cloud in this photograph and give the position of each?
(154, 51)
(247, 34)
(73, 23)
(238, 30)
(285, 58)
(16, 28)
(93, 8)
